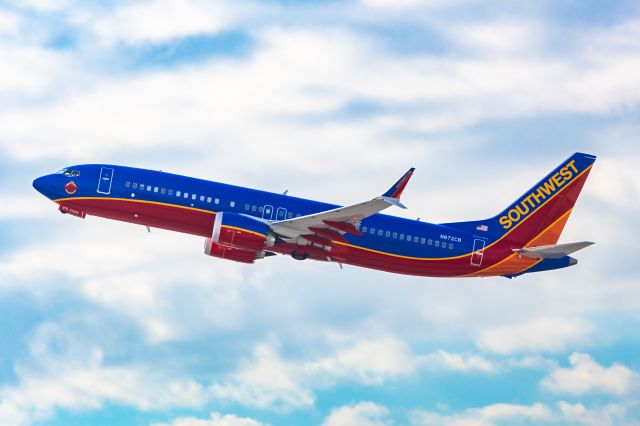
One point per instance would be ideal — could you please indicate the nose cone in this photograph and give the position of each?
(39, 185)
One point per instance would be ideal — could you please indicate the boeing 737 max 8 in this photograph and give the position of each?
(245, 225)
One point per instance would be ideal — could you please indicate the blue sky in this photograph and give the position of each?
(105, 324)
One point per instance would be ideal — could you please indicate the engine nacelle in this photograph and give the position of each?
(241, 232)
(230, 253)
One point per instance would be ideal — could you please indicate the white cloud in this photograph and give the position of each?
(503, 414)
(18, 206)
(587, 376)
(544, 334)
(44, 5)
(297, 74)
(408, 5)
(10, 24)
(163, 20)
(443, 360)
(33, 72)
(499, 37)
(267, 380)
(609, 415)
(360, 414)
(216, 419)
(618, 181)
(164, 304)
(66, 372)
(509, 414)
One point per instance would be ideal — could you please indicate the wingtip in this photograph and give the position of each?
(396, 190)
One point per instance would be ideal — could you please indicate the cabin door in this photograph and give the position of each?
(281, 213)
(106, 178)
(267, 212)
(478, 252)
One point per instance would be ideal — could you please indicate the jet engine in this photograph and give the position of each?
(238, 237)
(230, 253)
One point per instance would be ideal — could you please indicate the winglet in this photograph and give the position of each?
(396, 190)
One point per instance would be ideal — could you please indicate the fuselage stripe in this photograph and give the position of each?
(347, 244)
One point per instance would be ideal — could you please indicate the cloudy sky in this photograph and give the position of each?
(102, 323)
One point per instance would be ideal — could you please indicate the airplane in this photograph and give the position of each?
(244, 225)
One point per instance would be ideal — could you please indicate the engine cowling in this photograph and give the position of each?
(231, 253)
(241, 232)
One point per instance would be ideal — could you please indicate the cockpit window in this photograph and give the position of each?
(61, 172)
(71, 173)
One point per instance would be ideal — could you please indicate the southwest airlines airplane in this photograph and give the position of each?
(244, 225)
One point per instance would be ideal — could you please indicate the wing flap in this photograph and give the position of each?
(556, 251)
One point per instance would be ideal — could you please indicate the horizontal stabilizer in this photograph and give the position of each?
(556, 251)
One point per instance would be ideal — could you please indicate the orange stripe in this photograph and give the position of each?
(515, 263)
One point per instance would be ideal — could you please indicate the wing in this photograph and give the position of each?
(332, 224)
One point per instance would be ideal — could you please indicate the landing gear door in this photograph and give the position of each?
(106, 178)
(478, 252)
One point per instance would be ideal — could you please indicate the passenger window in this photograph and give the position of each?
(202, 198)
(372, 231)
(260, 209)
(156, 189)
(170, 192)
(163, 191)
(186, 195)
(387, 234)
(430, 242)
(178, 193)
(450, 246)
(437, 243)
(402, 236)
(298, 215)
(255, 208)
(209, 200)
(423, 240)
(289, 215)
(135, 185)
(395, 235)
(194, 196)
(380, 232)
(232, 204)
(217, 201)
(247, 207)
(127, 184)
(364, 229)
(415, 239)
(149, 188)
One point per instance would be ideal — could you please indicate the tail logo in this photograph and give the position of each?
(535, 199)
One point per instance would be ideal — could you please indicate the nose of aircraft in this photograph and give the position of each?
(40, 184)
